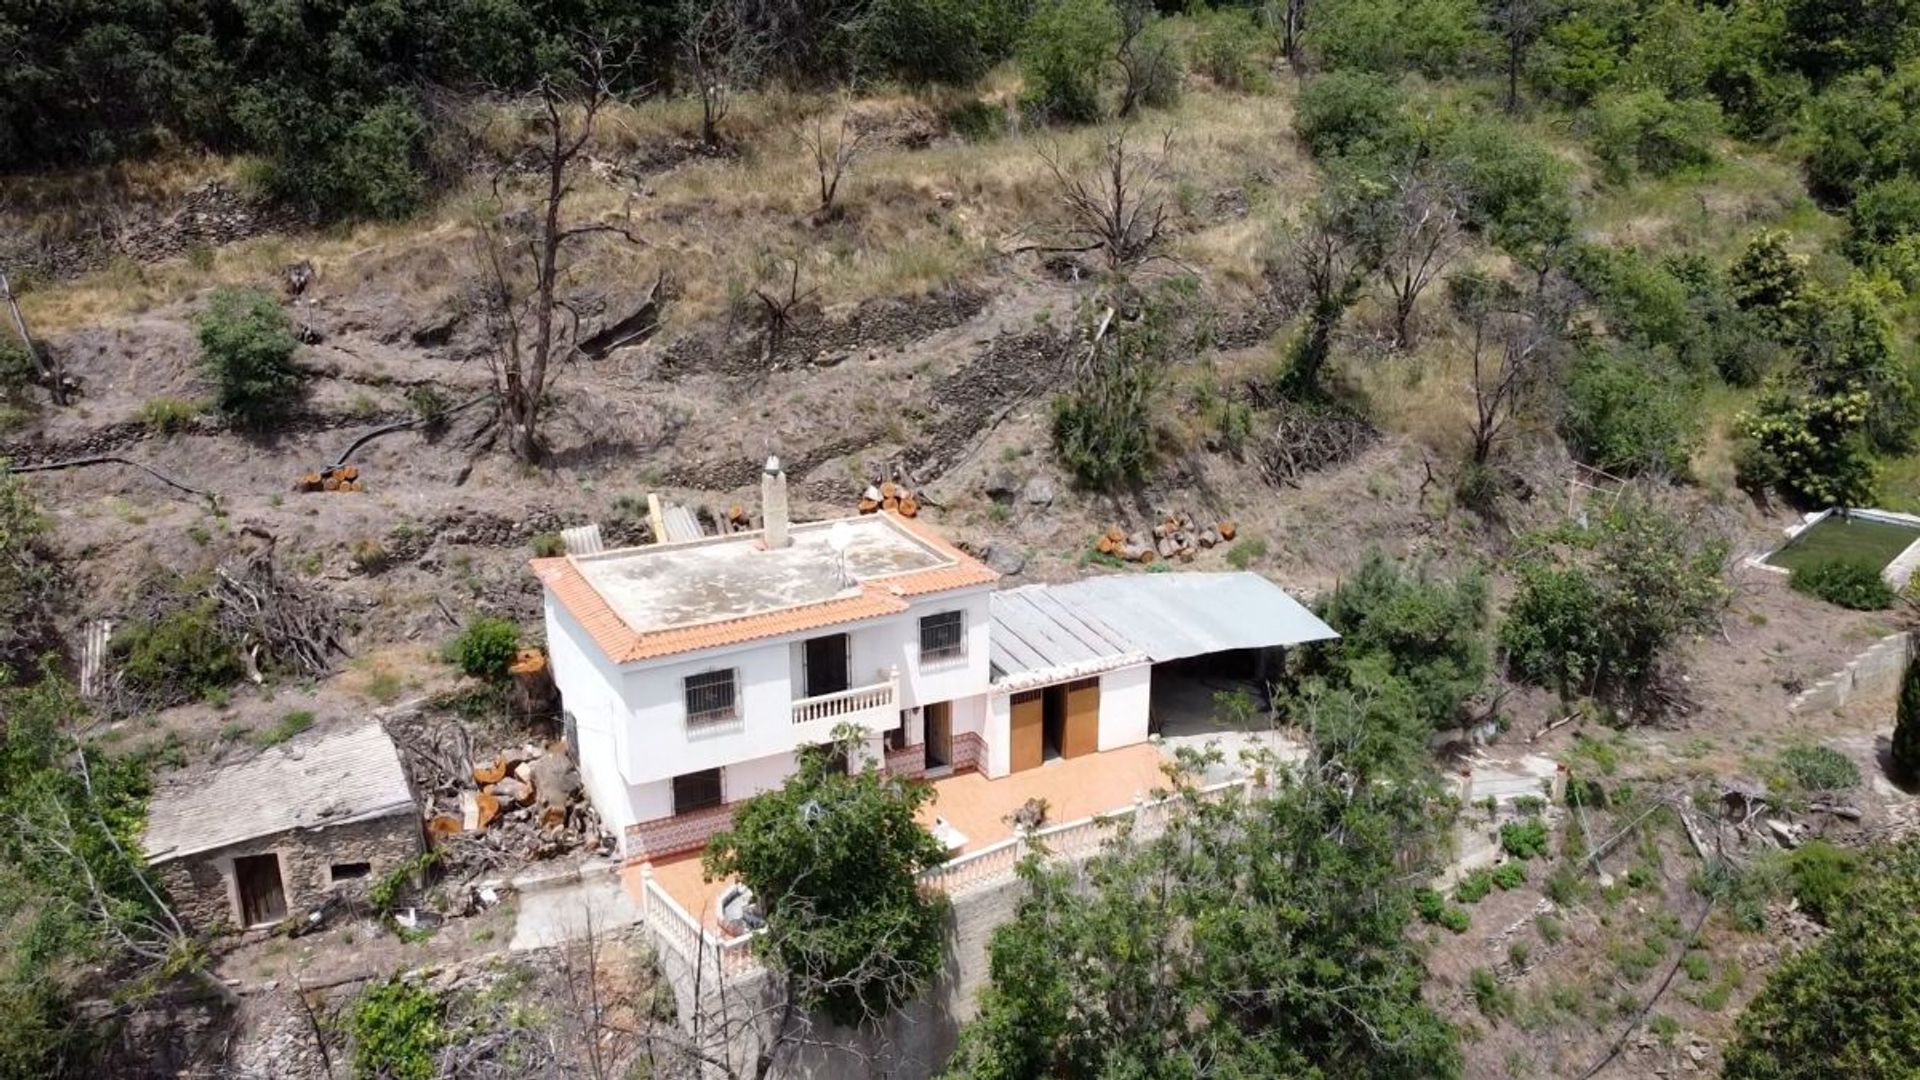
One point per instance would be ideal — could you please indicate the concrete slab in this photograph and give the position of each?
(563, 913)
(671, 585)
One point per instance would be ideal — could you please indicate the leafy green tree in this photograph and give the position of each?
(1579, 58)
(1597, 609)
(1063, 55)
(1847, 347)
(1771, 282)
(1644, 131)
(1848, 1005)
(1864, 128)
(1906, 723)
(1437, 38)
(1226, 51)
(1256, 936)
(834, 860)
(1885, 212)
(1814, 450)
(933, 42)
(1517, 192)
(246, 350)
(1426, 631)
(1829, 38)
(1351, 113)
(485, 647)
(1626, 414)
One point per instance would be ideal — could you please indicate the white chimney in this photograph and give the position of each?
(773, 503)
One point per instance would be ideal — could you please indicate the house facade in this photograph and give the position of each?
(692, 673)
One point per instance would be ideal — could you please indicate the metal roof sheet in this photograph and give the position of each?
(309, 782)
(1174, 615)
(1034, 632)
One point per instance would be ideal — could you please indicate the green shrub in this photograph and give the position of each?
(1493, 1000)
(1597, 608)
(1351, 113)
(1429, 904)
(334, 158)
(1103, 426)
(1624, 414)
(1226, 50)
(1645, 131)
(1510, 875)
(1863, 129)
(548, 544)
(166, 415)
(180, 655)
(1428, 631)
(1887, 211)
(285, 728)
(1063, 53)
(1771, 282)
(246, 350)
(1820, 768)
(1849, 583)
(398, 1030)
(1434, 37)
(1474, 887)
(1517, 191)
(1244, 551)
(1848, 1005)
(486, 647)
(1524, 839)
(1822, 877)
(429, 405)
(1906, 725)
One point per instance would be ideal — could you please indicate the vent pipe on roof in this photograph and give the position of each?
(773, 504)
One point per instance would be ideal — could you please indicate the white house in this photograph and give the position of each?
(690, 673)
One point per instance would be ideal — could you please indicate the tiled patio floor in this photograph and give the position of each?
(978, 807)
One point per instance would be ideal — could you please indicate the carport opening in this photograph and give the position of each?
(1186, 692)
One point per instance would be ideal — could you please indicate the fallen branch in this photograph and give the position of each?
(1554, 726)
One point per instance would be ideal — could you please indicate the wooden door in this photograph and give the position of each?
(262, 897)
(939, 734)
(1026, 723)
(1081, 734)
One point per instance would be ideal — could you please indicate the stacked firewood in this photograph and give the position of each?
(1174, 537)
(888, 495)
(486, 812)
(331, 478)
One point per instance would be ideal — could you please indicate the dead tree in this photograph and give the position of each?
(834, 148)
(1119, 208)
(1516, 345)
(722, 53)
(532, 329)
(1422, 237)
(779, 310)
(47, 369)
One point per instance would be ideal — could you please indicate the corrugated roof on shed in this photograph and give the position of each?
(1175, 615)
(1035, 632)
(310, 782)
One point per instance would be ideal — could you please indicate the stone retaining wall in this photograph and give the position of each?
(1875, 671)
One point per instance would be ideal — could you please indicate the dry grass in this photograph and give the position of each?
(912, 220)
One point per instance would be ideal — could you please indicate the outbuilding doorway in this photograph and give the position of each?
(263, 898)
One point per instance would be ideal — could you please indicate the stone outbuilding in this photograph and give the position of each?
(272, 836)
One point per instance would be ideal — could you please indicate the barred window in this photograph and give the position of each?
(711, 698)
(696, 791)
(943, 636)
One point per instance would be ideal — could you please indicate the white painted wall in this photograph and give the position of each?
(1124, 696)
(632, 724)
(587, 682)
(997, 731)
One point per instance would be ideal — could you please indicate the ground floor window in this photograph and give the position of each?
(696, 790)
(348, 871)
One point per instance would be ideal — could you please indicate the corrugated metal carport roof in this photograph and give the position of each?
(1175, 615)
(1035, 635)
(1045, 633)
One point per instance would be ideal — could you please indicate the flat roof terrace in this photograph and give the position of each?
(666, 586)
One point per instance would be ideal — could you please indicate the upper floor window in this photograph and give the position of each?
(712, 698)
(943, 636)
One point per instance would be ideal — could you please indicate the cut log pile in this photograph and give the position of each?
(1176, 537)
(331, 478)
(484, 812)
(887, 495)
